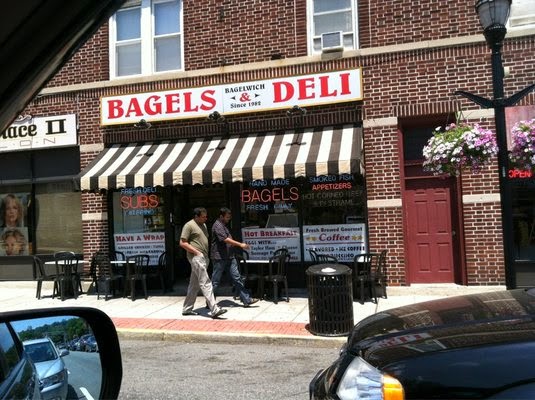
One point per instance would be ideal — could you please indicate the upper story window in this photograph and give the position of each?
(146, 38)
(522, 13)
(330, 17)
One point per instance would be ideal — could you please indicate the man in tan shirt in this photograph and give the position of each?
(194, 239)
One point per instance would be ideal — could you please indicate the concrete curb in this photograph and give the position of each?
(228, 337)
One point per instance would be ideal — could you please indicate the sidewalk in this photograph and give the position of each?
(160, 317)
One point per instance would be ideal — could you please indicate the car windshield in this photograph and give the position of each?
(40, 352)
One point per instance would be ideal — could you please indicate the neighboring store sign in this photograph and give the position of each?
(264, 95)
(264, 241)
(342, 241)
(152, 244)
(39, 133)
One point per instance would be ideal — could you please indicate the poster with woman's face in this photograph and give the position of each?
(13, 220)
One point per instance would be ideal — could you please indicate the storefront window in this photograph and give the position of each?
(523, 197)
(14, 236)
(139, 222)
(58, 222)
(325, 213)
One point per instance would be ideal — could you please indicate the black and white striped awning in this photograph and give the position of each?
(309, 152)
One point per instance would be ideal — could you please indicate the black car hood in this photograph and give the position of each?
(446, 324)
(37, 37)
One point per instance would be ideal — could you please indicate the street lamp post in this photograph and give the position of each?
(493, 15)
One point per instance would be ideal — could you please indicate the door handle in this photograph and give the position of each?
(453, 233)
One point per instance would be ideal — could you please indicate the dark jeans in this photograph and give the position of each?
(231, 266)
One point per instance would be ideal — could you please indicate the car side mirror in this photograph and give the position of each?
(59, 328)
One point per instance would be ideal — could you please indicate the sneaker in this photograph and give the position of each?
(218, 313)
(191, 312)
(252, 301)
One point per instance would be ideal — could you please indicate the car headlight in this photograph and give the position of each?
(53, 379)
(362, 381)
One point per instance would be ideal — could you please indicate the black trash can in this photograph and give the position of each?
(330, 299)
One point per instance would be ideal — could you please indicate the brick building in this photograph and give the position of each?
(279, 74)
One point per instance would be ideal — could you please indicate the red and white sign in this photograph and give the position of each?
(305, 90)
(264, 241)
(151, 243)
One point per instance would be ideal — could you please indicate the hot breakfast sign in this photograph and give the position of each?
(261, 95)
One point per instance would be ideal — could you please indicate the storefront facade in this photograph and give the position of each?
(261, 127)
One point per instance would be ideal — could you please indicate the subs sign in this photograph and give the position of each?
(262, 95)
(39, 133)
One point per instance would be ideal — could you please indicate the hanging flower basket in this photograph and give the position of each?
(459, 147)
(523, 147)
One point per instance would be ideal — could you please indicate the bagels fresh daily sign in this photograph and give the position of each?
(262, 95)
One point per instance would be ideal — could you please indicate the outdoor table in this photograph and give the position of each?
(258, 270)
(66, 271)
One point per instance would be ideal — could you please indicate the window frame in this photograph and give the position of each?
(310, 27)
(531, 17)
(148, 39)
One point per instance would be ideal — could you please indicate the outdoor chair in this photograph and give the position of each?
(118, 256)
(363, 278)
(66, 274)
(105, 277)
(136, 267)
(160, 270)
(247, 275)
(277, 274)
(41, 276)
(313, 255)
(379, 274)
(326, 258)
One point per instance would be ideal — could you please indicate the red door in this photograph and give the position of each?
(430, 236)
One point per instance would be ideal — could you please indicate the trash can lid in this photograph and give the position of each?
(328, 269)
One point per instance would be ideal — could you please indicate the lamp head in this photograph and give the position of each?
(493, 15)
(216, 116)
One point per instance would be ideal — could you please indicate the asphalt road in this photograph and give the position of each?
(197, 371)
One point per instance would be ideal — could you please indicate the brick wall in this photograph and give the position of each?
(410, 83)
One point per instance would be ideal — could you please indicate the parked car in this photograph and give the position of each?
(18, 377)
(53, 374)
(464, 347)
(90, 344)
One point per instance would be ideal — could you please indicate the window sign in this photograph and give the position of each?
(152, 244)
(264, 241)
(14, 224)
(341, 241)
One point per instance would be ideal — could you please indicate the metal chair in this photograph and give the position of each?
(277, 274)
(41, 276)
(136, 267)
(66, 274)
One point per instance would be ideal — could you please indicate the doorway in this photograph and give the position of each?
(431, 211)
(431, 233)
